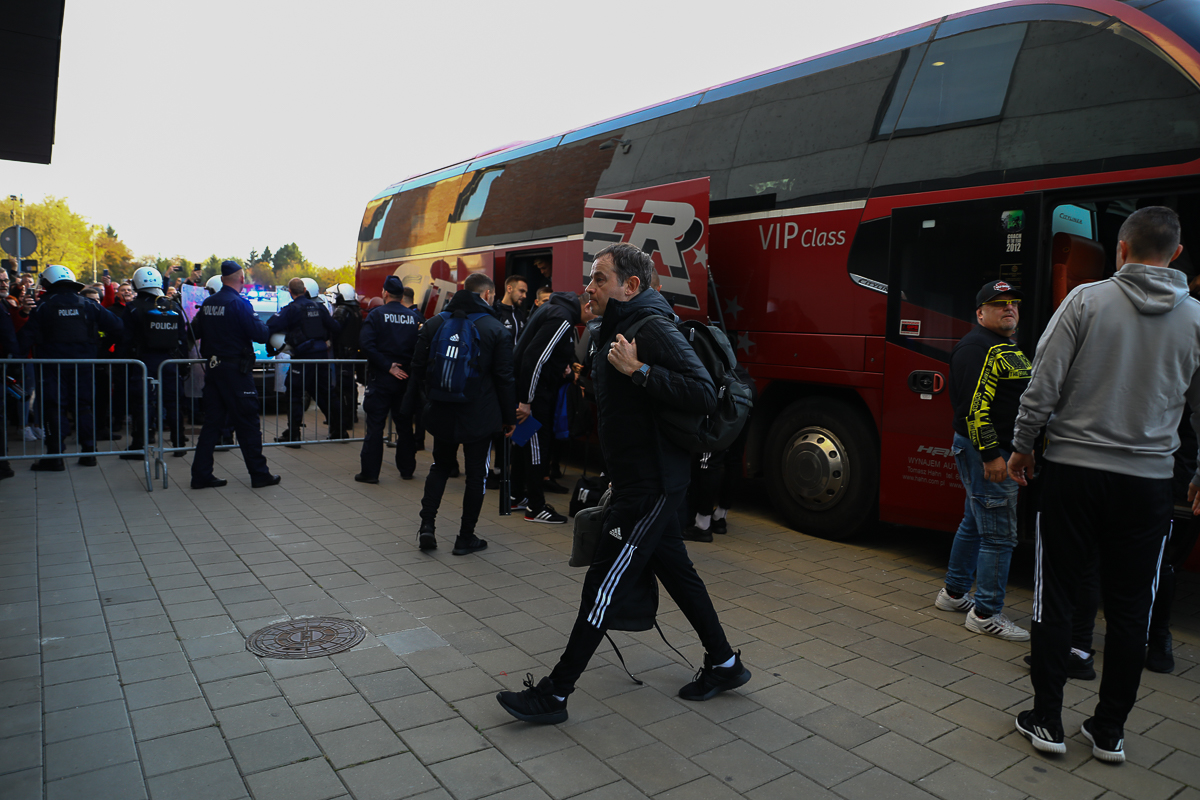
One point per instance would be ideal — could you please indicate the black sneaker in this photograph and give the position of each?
(710, 680)
(719, 526)
(1108, 742)
(465, 545)
(693, 534)
(364, 478)
(537, 704)
(87, 461)
(547, 514)
(5, 470)
(425, 537)
(1081, 669)
(1043, 735)
(1159, 657)
(553, 487)
(49, 465)
(518, 505)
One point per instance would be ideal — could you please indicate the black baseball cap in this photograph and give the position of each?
(993, 289)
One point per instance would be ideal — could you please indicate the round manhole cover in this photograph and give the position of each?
(305, 638)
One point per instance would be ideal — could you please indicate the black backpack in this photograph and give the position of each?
(715, 432)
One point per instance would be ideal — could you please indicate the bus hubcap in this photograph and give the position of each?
(814, 468)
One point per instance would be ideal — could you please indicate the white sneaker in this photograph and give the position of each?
(32, 433)
(999, 626)
(947, 603)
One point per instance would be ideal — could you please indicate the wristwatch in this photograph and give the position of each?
(639, 377)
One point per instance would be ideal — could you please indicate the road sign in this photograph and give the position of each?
(8, 240)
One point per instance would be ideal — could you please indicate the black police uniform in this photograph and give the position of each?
(307, 324)
(8, 349)
(227, 326)
(157, 331)
(388, 336)
(348, 316)
(67, 326)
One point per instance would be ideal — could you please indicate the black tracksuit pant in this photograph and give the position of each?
(531, 463)
(650, 538)
(1118, 525)
(475, 464)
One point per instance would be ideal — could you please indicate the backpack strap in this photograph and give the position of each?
(621, 658)
(638, 324)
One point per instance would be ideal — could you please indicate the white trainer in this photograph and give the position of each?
(999, 626)
(947, 603)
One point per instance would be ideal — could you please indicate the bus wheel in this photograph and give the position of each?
(822, 468)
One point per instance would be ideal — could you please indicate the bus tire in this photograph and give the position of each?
(822, 468)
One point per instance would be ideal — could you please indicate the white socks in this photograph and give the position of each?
(720, 513)
(1080, 653)
(703, 521)
(728, 663)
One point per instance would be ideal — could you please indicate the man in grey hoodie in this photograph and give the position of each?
(1110, 378)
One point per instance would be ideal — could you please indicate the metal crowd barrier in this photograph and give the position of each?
(50, 399)
(274, 382)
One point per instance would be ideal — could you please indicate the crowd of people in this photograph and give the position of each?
(494, 371)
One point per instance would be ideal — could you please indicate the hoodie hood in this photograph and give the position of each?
(1152, 290)
(567, 301)
(469, 302)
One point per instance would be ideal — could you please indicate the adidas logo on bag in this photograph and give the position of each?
(454, 338)
(615, 533)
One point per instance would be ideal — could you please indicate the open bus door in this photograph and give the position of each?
(670, 222)
(940, 256)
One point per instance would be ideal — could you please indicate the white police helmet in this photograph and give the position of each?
(214, 284)
(277, 341)
(346, 292)
(310, 286)
(147, 279)
(56, 273)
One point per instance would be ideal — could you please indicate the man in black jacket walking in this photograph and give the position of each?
(650, 474)
(490, 406)
(543, 363)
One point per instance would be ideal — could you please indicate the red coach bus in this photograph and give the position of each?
(847, 207)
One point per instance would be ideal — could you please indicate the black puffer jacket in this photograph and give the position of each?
(637, 457)
(494, 404)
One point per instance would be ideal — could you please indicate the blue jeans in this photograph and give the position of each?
(986, 536)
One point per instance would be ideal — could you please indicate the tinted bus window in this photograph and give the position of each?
(1081, 98)
(961, 79)
(868, 260)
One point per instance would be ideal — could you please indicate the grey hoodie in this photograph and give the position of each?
(1111, 374)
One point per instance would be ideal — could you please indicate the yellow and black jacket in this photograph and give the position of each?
(988, 373)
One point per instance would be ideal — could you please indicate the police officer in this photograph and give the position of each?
(227, 326)
(67, 326)
(156, 331)
(348, 315)
(388, 338)
(307, 325)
